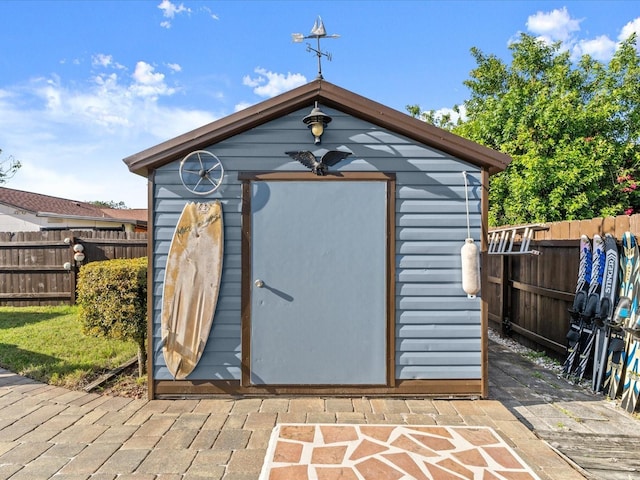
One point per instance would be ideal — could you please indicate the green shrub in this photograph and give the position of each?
(112, 296)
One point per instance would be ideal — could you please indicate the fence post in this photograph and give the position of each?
(505, 295)
(74, 276)
(73, 272)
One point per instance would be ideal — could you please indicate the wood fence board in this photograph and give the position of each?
(574, 229)
(537, 290)
(31, 263)
(558, 231)
(589, 227)
(634, 223)
(622, 225)
(540, 289)
(609, 225)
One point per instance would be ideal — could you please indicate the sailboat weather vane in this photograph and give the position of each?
(318, 31)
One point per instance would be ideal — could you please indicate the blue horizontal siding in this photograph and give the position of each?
(449, 357)
(442, 372)
(437, 326)
(427, 345)
(433, 318)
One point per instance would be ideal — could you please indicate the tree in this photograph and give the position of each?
(8, 168)
(438, 118)
(573, 131)
(109, 204)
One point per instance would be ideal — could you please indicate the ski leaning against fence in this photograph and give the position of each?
(631, 386)
(608, 297)
(591, 309)
(579, 304)
(625, 309)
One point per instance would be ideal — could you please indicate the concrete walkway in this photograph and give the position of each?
(49, 432)
(599, 437)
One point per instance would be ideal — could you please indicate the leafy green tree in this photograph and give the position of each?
(109, 204)
(8, 168)
(439, 119)
(572, 129)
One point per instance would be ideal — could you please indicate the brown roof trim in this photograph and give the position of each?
(415, 129)
(304, 96)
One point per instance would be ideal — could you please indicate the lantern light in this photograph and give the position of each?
(317, 120)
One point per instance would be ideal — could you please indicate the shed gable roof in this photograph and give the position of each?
(328, 95)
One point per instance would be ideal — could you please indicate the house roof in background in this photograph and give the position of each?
(328, 95)
(139, 214)
(48, 206)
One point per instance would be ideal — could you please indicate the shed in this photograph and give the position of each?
(362, 265)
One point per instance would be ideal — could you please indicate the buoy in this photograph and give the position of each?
(470, 267)
(469, 254)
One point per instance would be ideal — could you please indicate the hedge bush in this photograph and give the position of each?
(112, 296)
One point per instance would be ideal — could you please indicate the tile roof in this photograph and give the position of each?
(39, 203)
(138, 214)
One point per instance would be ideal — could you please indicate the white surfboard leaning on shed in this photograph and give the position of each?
(191, 286)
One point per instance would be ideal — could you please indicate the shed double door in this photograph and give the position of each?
(318, 283)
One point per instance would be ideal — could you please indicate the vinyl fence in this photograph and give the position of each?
(38, 268)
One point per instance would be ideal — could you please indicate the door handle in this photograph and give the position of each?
(259, 283)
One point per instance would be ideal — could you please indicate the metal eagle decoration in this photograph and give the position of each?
(319, 167)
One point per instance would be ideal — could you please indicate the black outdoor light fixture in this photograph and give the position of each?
(317, 120)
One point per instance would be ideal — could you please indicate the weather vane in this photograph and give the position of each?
(317, 32)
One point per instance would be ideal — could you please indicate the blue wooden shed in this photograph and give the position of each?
(348, 283)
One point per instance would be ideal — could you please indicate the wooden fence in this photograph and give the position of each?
(38, 268)
(529, 295)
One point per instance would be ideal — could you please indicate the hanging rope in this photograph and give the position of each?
(466, 197)
(469, 254)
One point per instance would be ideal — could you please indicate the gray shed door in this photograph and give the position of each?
(318, 284)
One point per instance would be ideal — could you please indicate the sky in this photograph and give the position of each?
(87, 83)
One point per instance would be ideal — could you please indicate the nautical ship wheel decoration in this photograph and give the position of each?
(201, 172)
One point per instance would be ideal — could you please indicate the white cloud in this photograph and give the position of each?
(50, 92)
(148, 82)
(71, 138)
(174, 67)
(113, 103)
(453, 115)
(556, 25)
(630, 28)
(601, 48)
(252, 82)
(242, 106)
(210, 13)
(103, 60)
(269, 84)
(144, 74)
(170, 10)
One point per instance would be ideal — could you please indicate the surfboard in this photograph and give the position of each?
(191, 286)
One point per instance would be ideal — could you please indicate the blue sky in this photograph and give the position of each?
(84, 84)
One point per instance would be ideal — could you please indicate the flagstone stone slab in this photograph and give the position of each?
(400, 452)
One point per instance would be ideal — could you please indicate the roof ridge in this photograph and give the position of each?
(43, 203)
(332, 96)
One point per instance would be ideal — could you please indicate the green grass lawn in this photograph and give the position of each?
(47, 344)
